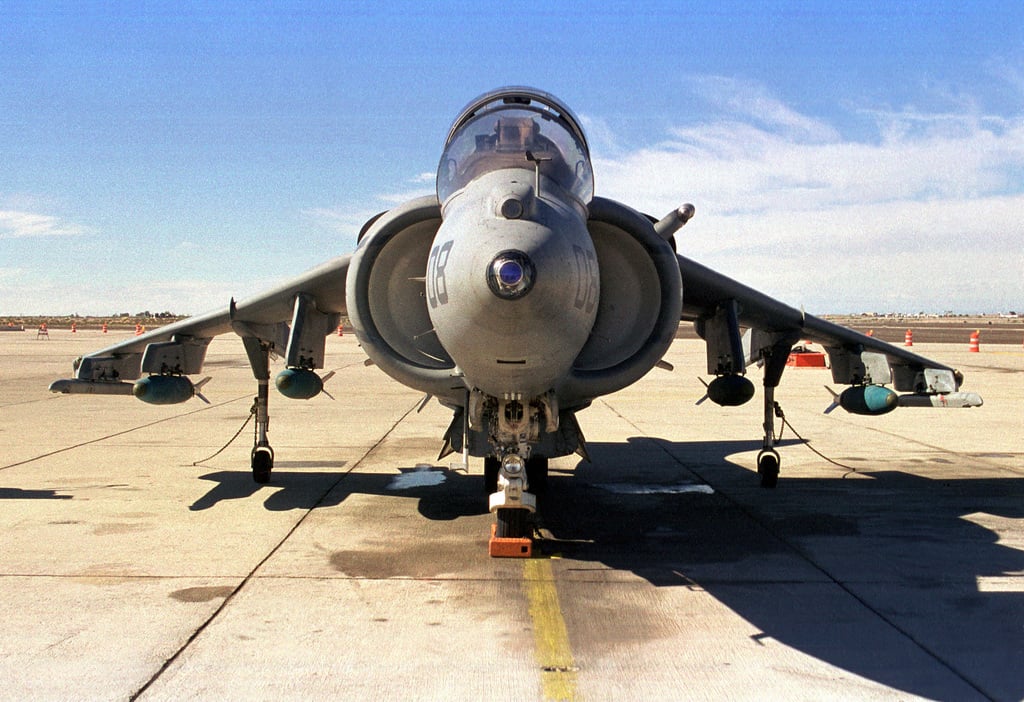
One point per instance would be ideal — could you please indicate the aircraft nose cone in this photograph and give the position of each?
(511, 275)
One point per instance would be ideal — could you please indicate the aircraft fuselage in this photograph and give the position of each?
(512, 283)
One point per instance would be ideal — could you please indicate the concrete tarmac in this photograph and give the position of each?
(132, 566)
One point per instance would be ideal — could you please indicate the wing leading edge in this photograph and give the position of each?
(292, 314)
(719, 305)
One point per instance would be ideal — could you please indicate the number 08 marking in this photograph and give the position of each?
(586, 279)
(437, 285)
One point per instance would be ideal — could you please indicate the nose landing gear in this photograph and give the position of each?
(512, 505)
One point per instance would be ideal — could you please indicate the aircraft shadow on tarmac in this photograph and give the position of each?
(899, 545)
(19, 494)
(443, 494)
(895, 550)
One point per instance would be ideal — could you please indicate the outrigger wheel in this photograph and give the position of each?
(768, 468)
(262, 464)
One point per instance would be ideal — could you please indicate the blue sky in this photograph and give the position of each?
(861, 156)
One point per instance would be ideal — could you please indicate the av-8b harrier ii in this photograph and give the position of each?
(515, 297)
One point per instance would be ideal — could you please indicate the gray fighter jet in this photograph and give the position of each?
(515, 297)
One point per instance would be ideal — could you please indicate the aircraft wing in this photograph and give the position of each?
(719, 305)
(315, 300)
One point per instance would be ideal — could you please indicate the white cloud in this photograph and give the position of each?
(754, 102)
(739, 167)
(397, 198)
(600, 135)
(1008, 73)
(347, 223)
(19, 224)
(10, 276)
(906, 220)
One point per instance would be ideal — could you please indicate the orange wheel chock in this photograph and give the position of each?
(509, 548)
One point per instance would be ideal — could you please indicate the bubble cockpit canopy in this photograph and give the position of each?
(516, 128)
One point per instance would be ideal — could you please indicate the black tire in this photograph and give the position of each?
(768, 469)
(511, 523)
(491, 467)
(537, 474)
(262, 464)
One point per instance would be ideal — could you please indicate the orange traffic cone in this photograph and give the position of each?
(974, 347)
(870, 332)
(908, 339)
(138, 330)
(340, 332)
(74, 327)
(104, 327)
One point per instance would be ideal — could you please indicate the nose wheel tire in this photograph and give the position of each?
(511, 523)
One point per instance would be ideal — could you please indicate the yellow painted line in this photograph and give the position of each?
(550, 635)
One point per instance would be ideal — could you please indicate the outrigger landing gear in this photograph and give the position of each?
(768, 460)
(262, 453)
